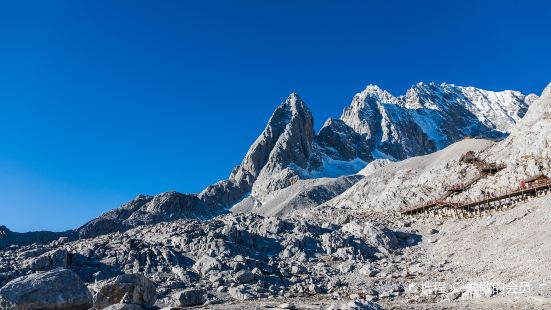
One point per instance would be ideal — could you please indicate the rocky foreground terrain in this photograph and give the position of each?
(312, 221)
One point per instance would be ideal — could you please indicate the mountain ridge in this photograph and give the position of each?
(376, 124)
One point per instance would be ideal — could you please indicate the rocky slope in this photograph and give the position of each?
(304, 194)
(230, 257)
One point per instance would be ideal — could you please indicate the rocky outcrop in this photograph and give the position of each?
(8, 237)
(147, 210)
(127, 289)
(59, 289)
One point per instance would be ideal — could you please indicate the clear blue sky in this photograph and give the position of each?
(103, 100)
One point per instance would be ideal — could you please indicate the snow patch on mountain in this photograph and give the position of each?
(430, 117)
(333, 168)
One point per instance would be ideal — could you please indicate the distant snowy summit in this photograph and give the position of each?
(429, 117)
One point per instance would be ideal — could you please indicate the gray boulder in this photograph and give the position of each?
(56, 289)
(126, 288)
(190, 297)
(240, 293)
(244, 276)
(206, 264)
(50, 260)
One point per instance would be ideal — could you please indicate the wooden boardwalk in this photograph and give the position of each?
(458, 188)
(443, 206)
(480, 205)
(441, 202)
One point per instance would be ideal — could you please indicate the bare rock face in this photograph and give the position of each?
(284, 145)
(127, 288)
(339, 141)
(430, 117)
(144, 210)
(224, 193)
(58, 289)
(286, 139)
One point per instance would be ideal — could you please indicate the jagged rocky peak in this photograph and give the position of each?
(298, 133)
(500, 110)
(291, 122)
(285, 142)
(284, 145)
(367, 109)
(375, 92)
(431, 116)
(423, 95)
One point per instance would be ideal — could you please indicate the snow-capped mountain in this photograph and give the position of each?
(429, 117)
(426, 119)
(377, 124)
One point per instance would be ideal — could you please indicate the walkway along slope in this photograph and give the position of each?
(498, 201)
(482, 204)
